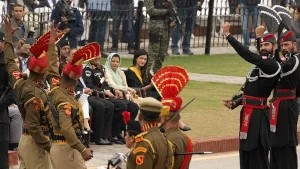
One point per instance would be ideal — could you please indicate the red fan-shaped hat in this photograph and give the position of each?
(169, 81)
(74, 68)
(174, 103)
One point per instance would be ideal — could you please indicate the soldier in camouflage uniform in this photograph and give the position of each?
(67, 150)
(34, 145)
(158, 32)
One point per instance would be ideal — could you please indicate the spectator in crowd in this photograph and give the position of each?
(102, 114)
(187, 10)
(24, 55)
(71, 25)
(137, 77)
(16, 20)
(115, 76)
(94, 78)
(99, 14)
(32, 4)
(63, 52)
(122, 10)
(248, 8)
(296, 27)
(135, 26)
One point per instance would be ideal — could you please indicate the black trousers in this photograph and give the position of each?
(102, 117)
(122, 105)
(284, 157)
(256, 158)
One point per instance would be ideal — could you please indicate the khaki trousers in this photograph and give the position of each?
(64, 157)
(31, 156)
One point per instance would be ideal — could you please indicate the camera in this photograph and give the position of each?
(63, 9)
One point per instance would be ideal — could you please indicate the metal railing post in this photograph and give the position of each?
(139, 14)
(209, 27)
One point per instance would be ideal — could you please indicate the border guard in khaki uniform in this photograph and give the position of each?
(151, 150)
(34, 145)
(169, 81)
(67, 149)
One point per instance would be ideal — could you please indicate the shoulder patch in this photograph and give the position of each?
(139, 149)
(139, 159)
(88, 73)
(139, 139)
(17, 74)
(37, 104)
(55, 81)
(68, 109)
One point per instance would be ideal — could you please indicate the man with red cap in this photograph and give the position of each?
(284, 107)
(169, 81)
(254, 117)
(34, 146)
(67, 124)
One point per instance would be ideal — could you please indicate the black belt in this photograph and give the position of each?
(286, 92)
(61, 138)
(157, 17)
(254, 102)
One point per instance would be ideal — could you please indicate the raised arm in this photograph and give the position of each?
(267, 65)
(9, 53)
(53, 76)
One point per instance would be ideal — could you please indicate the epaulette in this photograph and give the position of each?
(140, 137)
(54, 88)
(36, 101)
(65, 103)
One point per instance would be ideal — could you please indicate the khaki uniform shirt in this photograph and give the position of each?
(180, 142)
(151, 151)
(29, 93)
(68, 108)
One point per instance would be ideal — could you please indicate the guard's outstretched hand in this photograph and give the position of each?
(226, 28)
(259, 31)
(55, 33)
(9, 28)
(228, 103)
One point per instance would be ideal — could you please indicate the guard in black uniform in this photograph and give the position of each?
(254, 117)
(284, 107)
(94, 78)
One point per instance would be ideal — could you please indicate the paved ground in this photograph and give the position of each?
(229, 160)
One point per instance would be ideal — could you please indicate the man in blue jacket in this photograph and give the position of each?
(71, 25)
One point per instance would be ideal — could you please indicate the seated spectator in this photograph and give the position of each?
(137, 78)
(72, 26)
(102, 114)
(15, 126)
(94, 78)
(115, 76)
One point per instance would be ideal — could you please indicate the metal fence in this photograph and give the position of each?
(223, 11)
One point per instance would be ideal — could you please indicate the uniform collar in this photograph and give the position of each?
(68, 91)
(169, 131)
(148, 126)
